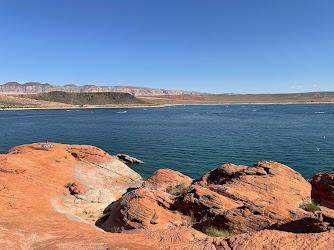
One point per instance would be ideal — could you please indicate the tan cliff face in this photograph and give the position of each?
(52, 195)
(36, 87)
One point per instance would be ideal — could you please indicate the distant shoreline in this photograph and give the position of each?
(88, 107)
(158, 105)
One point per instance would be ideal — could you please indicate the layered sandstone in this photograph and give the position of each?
(323, 189)
(51, 195)
(236, 198)
(163, 178)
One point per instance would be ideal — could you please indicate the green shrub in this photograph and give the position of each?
(182, 188)
(214, 232)
(310, 206)
(170, 189)
(68, 184)
(178, 189)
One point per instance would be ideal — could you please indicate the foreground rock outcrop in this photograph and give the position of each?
(268, 192)
(128, 159)
(235, 198)
(50, 198)
(164, 178)
(323, 189)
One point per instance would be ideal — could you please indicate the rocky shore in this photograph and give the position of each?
(80, 197)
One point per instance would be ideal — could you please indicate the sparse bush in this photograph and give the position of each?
(214, 232)
(192, 219)
(205, 217)
(169, 189)
(68, 184)
(310, 206)
(182, 188)
(114, 229)
(178, 189)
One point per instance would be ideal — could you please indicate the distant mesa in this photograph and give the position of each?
(98, 98)
(36, 87)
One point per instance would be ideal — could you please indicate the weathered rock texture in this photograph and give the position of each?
(128, 159)
(323, 189)
(239, 199)
(163, 178)
(268, 192)
(142, 208)
(44, 193)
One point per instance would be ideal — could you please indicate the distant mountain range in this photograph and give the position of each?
(36, 87)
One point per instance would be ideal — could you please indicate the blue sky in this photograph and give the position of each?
(217, 46)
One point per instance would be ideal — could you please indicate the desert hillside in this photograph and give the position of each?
(59, 99)
(36, 87)
(99, 98)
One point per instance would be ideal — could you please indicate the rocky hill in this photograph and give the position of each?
(99, 98)
(52, 195)
(36, 87)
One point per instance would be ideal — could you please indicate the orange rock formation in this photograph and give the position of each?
(50, 198)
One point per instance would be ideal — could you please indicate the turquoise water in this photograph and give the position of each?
(190, 139)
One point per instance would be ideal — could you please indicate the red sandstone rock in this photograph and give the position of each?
(323, 189)
(236, 198)
(77, 188)
(271, 239)
(142, 208)
(202, 203)
(163, 178)
(128, 159)
(32, 176)
(268, 192)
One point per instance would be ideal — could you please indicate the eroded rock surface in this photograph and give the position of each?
(128, 159)
(323, 189)
(239, 199)
(163, 178)
(268, 193)
(45, 191)
(142, 208)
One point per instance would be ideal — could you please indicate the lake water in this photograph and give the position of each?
(190, 139)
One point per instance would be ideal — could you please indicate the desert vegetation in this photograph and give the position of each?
(214, 232)
(178, 189)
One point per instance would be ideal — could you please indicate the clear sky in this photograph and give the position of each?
(217, 46)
